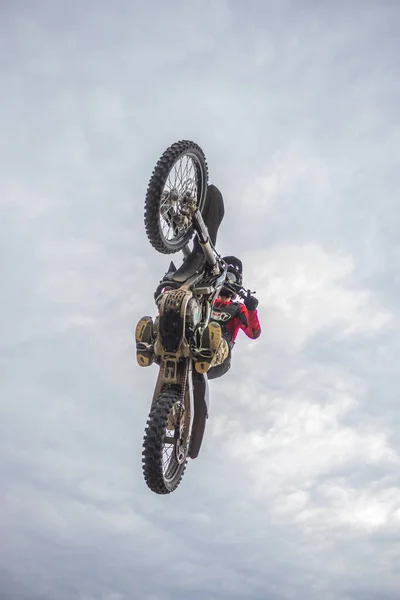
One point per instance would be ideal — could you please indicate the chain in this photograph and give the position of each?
(185, 376)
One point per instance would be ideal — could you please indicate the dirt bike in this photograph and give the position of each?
(181, 205)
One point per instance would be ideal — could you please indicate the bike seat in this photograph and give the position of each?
(191, 265)
(213, 213)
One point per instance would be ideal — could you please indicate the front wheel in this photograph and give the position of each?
(165, 444)
(178, 186)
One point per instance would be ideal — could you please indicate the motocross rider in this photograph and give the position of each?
(231, 316)
(219, 337)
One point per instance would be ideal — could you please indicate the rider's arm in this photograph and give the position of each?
(248, 322)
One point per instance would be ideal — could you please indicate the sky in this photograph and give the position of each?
(296, 492)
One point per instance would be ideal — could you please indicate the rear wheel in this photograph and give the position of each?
(177, 187)
(165, 444)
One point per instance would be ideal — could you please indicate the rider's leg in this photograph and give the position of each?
(219, 370)
(210, 343)
(214, 348)
(144, 337)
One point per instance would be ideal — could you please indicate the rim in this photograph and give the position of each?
(180, 197)
(170, 463)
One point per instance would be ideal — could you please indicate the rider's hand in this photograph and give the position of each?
(250, 302)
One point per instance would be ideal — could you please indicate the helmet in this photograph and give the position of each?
(235, 269)
(234, 275)
(226, 292)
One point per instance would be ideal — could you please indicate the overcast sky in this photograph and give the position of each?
(296, 493)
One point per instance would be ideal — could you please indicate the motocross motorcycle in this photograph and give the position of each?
(181, 206)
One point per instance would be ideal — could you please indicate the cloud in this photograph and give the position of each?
(303, 290)
(295, 493)
(293, 173)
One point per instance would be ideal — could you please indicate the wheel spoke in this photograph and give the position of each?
(177, 187)
(181, 180)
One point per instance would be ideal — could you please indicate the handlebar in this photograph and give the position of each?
(238, 290)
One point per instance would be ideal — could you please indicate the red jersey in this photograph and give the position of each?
(233, 316)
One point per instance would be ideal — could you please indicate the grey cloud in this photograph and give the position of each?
(296, 493)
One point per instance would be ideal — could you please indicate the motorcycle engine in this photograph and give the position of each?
(193, 313)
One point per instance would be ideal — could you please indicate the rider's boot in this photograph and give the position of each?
(144, 337)
(210, 342)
